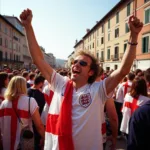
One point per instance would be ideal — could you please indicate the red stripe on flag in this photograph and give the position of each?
(14, 120)
(52, 124)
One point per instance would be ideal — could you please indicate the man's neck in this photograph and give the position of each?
(78, 85)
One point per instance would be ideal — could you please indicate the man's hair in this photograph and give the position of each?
(147, 75)
(31, 76)
(39, 79)
(25, 74)
(94, 65)
(138, 87)
(137, 71)
(131, 76)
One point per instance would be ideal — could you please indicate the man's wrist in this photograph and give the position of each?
(28, 27)
(133, 38)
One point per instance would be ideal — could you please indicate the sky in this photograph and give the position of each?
(58, 23)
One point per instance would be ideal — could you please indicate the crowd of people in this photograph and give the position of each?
(77, 109)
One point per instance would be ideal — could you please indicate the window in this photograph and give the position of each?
(117, 17)
(115, 67)
(145, 1)
(93, 45)
(108, 36)
(125, 47)
(5, 30)
(109, 24)
(1, 41)
(10, 45)
(128, 9)
(102, 40)
(6, 43)
(147, 16)
(116, 52)
(126, 28)
(102, 55)
(97, 55)
(146, 44)
(102, 28)
(116, 32)
(108, 54)
(14, 46)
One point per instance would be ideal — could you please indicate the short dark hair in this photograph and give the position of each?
(94, 65)
(131, 76)
(31, 76)
(138, 87)
(25, 74)
(137, 71)
(3, 77)
(39, 79)
(147, 75)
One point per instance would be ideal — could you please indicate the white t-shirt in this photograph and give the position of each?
(86, 114)
(44, 114)
(5, 121)
(120, 92)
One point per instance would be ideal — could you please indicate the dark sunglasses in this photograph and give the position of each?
(81, 62)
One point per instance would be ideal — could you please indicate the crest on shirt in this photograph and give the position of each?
(85, 100)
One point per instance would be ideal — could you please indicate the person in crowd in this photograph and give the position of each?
(10, 76)
(147, 78)
(36, 93)
(4, 80)
(77, 103)
(139, 129)
(31, 79)
(17, 103)
(25, 74)
(133, 100)
(120, 94)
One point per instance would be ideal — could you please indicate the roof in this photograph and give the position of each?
(13, 17)
(11, 24)
(108, 14)
(78, 43)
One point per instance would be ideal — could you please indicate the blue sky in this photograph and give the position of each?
(58, 23)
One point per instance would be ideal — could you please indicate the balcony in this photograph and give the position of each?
(115, 57)
(101, 59)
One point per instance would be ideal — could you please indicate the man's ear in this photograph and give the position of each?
(91, 72)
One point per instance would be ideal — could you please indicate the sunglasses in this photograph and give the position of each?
(81, 62)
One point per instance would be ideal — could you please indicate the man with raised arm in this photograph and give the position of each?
(74, 117)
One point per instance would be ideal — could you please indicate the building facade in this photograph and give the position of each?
(10, 44)
(107, 40)
(49, 58)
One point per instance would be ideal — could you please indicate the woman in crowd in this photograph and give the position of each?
(134, 99)
(3, 84)
(16, 112)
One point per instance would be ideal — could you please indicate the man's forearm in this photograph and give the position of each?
(129, 56)
(34, 48)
